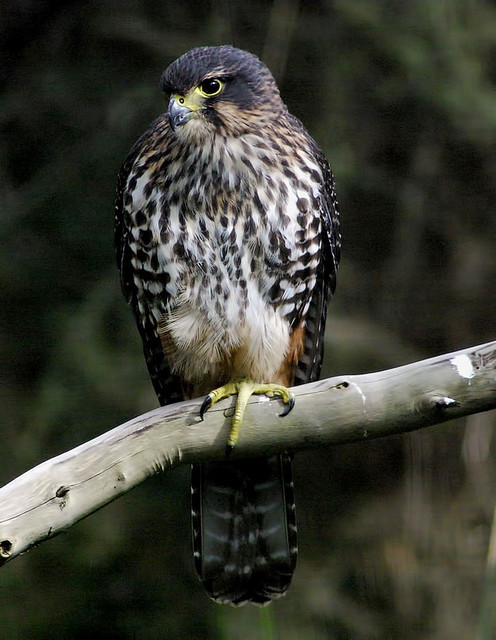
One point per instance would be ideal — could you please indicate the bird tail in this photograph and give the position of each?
(244, 528)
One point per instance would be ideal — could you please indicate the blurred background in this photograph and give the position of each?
(401, 96)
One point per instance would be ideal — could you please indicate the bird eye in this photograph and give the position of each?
(211, 87)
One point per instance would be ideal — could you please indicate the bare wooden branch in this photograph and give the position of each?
(59, 492)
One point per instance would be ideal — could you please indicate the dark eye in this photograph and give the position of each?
(211, 87)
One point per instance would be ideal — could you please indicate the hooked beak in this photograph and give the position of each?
(178, 114)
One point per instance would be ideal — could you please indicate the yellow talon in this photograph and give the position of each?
(245, 389)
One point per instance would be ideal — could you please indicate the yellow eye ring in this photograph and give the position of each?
(210, 87)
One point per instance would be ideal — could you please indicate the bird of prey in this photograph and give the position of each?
(227, 240)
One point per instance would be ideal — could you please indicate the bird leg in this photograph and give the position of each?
(245, 389)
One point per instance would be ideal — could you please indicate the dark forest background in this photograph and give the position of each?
(401, 96)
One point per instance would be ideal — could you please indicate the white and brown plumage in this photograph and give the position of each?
(227, 240)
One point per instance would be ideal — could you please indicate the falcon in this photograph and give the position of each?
(227, 241)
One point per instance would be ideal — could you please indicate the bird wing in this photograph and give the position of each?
(310, 361)
(167, 386)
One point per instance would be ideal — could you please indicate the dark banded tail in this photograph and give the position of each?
(244, 528)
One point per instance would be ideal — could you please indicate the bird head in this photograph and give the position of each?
(220, 89)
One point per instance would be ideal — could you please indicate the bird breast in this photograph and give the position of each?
(229, 243)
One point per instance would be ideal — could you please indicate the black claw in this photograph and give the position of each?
(206, 404)
(289, 406)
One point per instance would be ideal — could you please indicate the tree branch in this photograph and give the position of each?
(59, 492)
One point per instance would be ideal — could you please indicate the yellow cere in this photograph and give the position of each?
(194, 100)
